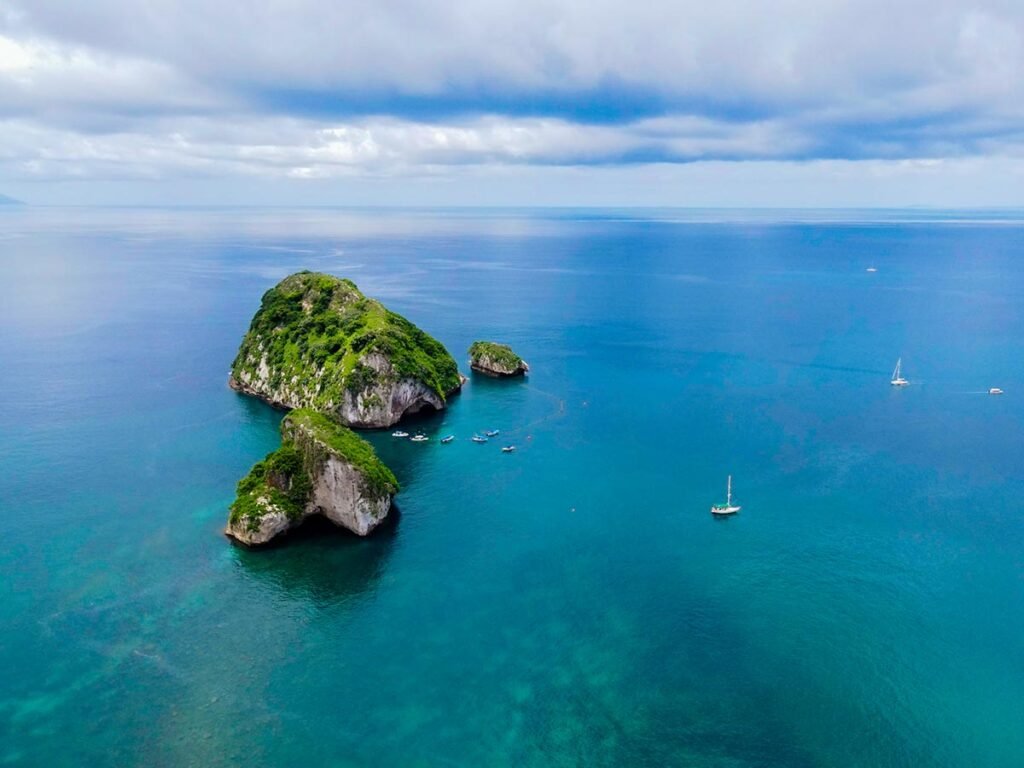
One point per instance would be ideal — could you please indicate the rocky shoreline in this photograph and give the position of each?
(335, 359)
(322, 468)
(317, 342)
(494, 359)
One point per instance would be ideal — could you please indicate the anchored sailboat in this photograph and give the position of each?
(897, 375)
(728, 508)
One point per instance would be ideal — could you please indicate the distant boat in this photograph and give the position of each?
(995, 391)
(492, 432)
(479, 439)
(399, 433)
(872, 269)
(727, 508)
(419, 439)
(447, 438)
(897, 375)
(508, 449)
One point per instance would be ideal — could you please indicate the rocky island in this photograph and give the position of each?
(317, 342)
(496, 359)
(321, 468)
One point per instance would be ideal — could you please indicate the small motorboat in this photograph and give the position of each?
(508, 448)
(479, 439)
(492, 432)
(995, 391)
(419, 438)
(399, 433)
(447, 438)
(872, 269)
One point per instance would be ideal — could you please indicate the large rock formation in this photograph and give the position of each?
(321, 468)
(318, 342)
(496, 359)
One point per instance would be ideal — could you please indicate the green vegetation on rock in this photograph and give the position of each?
(314, 333)
(344, 443)
(279, 482)
(283, 481)
(493, 353)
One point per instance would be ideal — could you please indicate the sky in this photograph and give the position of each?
(790, 103)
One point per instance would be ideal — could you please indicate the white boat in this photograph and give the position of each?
(479, 439)
(447, 438)
(399, 433)
(508, 449)
(872, 269)
(728, 508)
(419, 439)
(897, 375)
(995, 391)
(492, 432)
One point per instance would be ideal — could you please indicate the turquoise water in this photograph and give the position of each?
(570, 604)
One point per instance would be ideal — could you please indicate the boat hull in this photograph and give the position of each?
(720, 511)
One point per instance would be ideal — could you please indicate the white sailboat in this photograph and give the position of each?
(897, 375)
(728, 508)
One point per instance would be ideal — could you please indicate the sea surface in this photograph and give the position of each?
(573, 603)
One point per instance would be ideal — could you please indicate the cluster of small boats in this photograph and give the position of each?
(897, 380)
(486, 436)
(419, 437)
(719, 510)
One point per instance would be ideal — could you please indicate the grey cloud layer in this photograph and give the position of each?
(316, 88)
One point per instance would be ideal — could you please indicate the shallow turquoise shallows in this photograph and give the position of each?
(573, 603)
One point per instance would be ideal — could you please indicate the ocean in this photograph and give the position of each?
(573, 603)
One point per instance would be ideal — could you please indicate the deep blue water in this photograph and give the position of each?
(570, 604)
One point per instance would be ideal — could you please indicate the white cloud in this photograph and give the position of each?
(15, 57)
(89, 89)
(295, 148)
(310, 89)
(792, 51)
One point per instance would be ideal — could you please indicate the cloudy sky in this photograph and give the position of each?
(675, 102)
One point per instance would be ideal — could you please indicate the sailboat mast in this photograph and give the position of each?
(728, 492)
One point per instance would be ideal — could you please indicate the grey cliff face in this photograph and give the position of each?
(494, 367)
(318, 342)
(337, 490)
(382, 403)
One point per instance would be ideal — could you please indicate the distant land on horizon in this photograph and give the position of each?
(5, 200)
